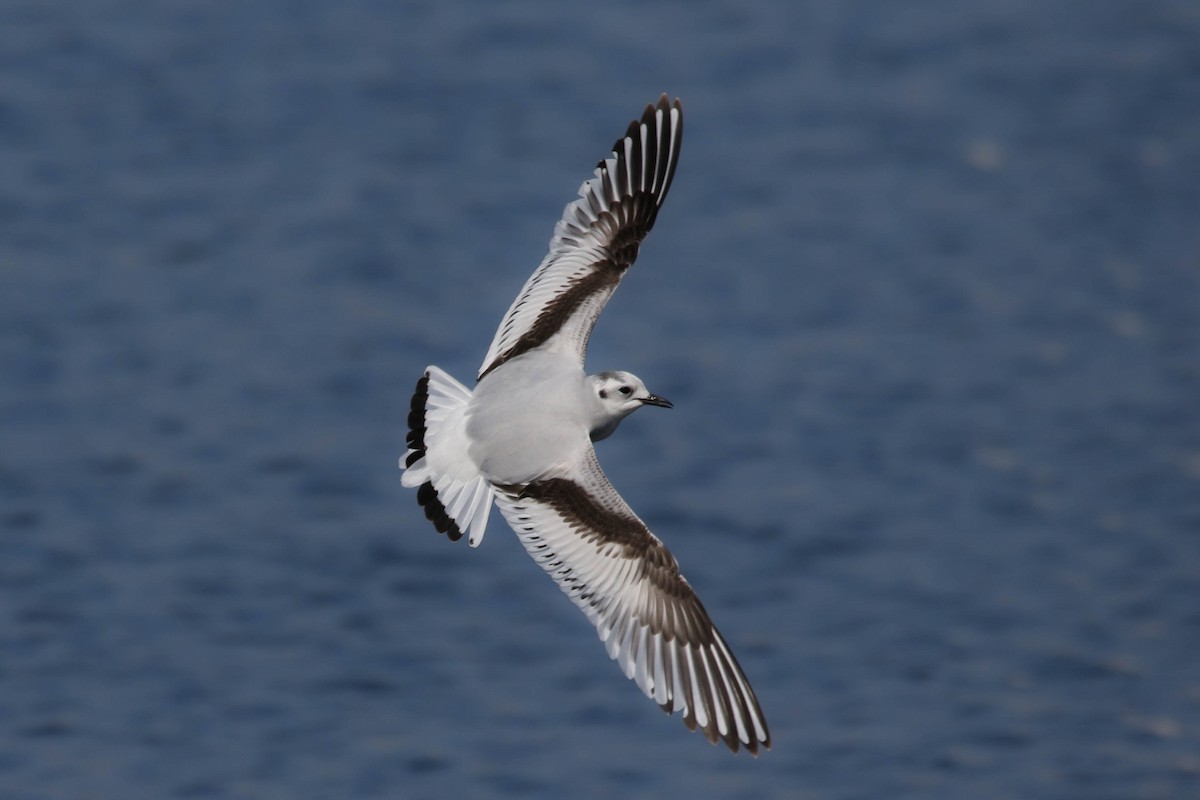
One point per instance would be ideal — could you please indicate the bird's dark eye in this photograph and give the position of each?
(625, 390)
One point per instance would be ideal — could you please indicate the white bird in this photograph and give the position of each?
(524, 438)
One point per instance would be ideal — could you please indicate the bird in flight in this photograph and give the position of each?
(523, 439)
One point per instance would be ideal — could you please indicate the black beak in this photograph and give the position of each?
(655, 400)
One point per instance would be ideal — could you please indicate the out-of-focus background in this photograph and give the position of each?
(926, 294)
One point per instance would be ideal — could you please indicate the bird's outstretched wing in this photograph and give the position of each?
(596, 240)
(628, 584)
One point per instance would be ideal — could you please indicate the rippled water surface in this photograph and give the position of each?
(926, 295)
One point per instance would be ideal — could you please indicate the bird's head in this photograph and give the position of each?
(619, 394)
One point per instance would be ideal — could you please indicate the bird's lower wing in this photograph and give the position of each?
(628, 584)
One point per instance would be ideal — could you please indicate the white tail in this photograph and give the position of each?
(455, 496)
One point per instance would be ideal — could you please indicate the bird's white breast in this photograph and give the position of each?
(530, 418)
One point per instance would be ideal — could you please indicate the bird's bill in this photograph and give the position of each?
(655, 400)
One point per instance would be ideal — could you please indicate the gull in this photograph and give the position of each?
(523, 439)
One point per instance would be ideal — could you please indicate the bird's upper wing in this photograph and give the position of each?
(628, 584)
(596, 240)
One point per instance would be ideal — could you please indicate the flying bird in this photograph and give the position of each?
(523, 439)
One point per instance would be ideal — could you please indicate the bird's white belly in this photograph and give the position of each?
(525, 420)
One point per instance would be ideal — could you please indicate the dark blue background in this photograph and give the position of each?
(926, 294)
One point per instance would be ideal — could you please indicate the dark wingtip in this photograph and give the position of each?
(665, 103)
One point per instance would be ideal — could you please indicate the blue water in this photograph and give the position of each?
(926, 295)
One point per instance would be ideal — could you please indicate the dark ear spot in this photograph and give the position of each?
(604, 394)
